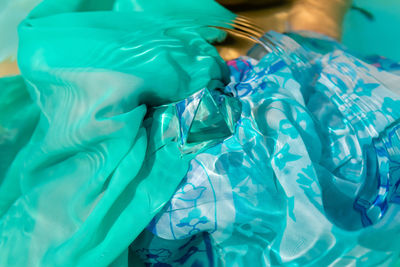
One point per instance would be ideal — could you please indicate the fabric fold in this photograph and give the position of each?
(85, 186)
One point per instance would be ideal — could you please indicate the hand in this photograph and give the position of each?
(322, 16)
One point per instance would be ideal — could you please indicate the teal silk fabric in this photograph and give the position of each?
(12, 12)
(127, 140)
(86, 183)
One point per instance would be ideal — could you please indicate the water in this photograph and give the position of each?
(378, 36)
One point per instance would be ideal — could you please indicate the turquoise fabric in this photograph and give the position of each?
(87, 182)
(128, 140)
(18, 119)
(12, 12)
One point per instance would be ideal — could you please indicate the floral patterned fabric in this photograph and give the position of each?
(310, 175)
